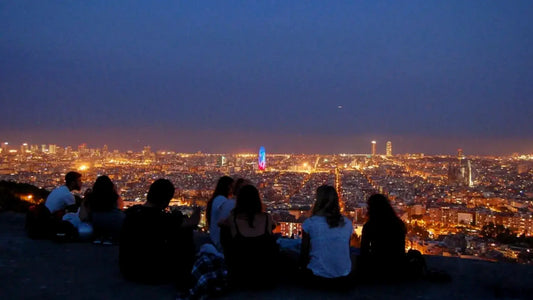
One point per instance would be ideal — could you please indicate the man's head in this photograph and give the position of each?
(73, 181)
(160, 193)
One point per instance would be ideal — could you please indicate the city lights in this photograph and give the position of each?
(438, 197)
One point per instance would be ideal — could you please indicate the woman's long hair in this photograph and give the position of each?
(248, 203)
(380, 211)
(327, 205)
(103, 196)
(223, 188)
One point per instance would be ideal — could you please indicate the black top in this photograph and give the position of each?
(154, 247)
(251, 260)
(383, 245)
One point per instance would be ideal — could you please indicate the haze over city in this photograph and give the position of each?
(313, 77)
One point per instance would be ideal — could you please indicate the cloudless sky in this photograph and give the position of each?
(294, 76)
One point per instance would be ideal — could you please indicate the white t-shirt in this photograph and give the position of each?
(329, 255)
(59, 199)
(220, 210)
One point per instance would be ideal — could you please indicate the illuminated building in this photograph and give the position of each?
(460, 154)
(5, 147)
(24, 148)
(222, 161)
(82, 148)
(52, 149)
(373, 148)
(290, 229)
(43, 148)
(389, 148)
(261, 163)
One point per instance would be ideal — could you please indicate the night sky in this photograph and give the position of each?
(293, 76)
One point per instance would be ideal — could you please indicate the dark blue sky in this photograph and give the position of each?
(219, 76)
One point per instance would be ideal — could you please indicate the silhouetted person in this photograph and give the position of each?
(250, 248)
(101, 208)
(157, 246)
(325, 252)
(61, 197)
(219, 208)
(382, 242)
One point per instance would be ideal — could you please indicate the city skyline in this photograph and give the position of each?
(308, 77)
(373, 147)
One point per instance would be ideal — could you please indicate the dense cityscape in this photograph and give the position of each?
(461, 205)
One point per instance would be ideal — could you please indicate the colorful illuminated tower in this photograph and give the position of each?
(262, 159)
(373, 148)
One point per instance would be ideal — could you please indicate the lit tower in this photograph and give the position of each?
(261, 161)
(389, 148)
(460, 154)
(373, 148)
(5, 147)
(24, 148)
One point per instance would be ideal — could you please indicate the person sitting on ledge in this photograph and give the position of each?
(250, 248)
(382, 243)
(156, 246)
(325, 250)
(101, 207)
(219, 208)
(61, 199)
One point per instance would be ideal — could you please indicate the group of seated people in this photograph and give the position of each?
(157, 244)
(98, 216)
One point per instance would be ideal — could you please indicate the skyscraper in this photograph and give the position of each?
(373, 148)
(261, 160)
(388, 149)
(24, 148)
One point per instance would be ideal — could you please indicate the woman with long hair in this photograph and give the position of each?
(219, 208)
(101, 207)
(382, 241)
(325, 252)
(250, 248)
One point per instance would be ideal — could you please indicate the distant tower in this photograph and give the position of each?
(52, 149)
(222, 161)
(261, 161)
(82, 148)
(373, 148)
(460, 154)
(5, 147)
(389, 148)
(24, 148)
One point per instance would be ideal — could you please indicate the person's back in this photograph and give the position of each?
(149, 241)
(250, 249)
(250, 252)
(329, 254)
(382, 242)
(155, 246)
(221, 209)
(100, 208)
(60, 198)
(325, 250)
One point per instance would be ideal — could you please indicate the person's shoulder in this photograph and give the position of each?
(139, 210)
(312, 221)
(219, 200)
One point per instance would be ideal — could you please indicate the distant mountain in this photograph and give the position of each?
(18, 197)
